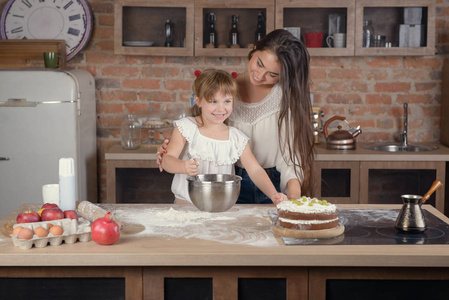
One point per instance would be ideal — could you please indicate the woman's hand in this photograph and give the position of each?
(278, 198)
(191, 167)
(160, 153)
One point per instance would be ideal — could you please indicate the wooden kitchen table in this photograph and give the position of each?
(231, 255)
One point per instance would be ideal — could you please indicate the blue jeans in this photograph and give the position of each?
(250, 193)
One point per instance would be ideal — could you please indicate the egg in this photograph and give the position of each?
(25, 234)
(16, 230)
(50, 225)
(56, 230)
(41, 232)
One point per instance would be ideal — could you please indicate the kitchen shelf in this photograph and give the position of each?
(386, 16)
(312, 16)
(26, 54)
(247, 11)
(144, 22)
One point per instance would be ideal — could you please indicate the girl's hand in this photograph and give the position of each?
(160, 153)
(278, 198)
(191, 167)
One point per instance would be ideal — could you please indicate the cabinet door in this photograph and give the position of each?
(385, 181)
(246, 10)
(314, 16)
(140, 27)
(337, 181)
(387, 16)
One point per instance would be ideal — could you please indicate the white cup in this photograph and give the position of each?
(50, 193)
(338, 40)
(296, 31)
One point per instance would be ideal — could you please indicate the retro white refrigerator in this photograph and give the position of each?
(45, 115)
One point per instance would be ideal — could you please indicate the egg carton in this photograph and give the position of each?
(73, 231)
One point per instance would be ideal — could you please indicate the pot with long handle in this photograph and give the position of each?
(411, 218)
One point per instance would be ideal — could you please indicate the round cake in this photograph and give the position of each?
(307, 214)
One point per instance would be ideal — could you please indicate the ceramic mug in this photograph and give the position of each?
(314, 39)
(50, 193)
(51, 59)
(338, 40)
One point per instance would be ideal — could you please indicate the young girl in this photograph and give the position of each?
(273, 109)
(213, 146)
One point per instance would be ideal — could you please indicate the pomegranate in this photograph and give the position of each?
(105, 231)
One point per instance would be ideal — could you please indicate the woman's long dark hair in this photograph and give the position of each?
(296, 108)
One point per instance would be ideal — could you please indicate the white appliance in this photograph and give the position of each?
(45, 115)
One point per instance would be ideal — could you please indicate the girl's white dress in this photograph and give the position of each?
(213, 156)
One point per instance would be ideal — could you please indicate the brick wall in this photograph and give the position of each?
(368, 91)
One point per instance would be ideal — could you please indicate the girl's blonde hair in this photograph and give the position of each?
(208, 83)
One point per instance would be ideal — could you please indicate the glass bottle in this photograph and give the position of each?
(212, 32)
(260, 31)
(234, 32)
(368, 34)
(168, 34)
(130, 133)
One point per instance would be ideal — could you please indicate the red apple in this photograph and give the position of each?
(50, 214)
(50, 205)
(28, 216)
(70, 214)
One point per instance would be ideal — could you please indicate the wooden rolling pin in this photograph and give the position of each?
(91, 212)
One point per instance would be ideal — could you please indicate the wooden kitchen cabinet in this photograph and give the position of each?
(365, 176)
(144, 21)
(386, 181)
(386, 16)
(313, 16)
(243, 283)
(247, 25)
(337, 181)
(139, 22)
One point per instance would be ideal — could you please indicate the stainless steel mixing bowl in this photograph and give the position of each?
(214, 192)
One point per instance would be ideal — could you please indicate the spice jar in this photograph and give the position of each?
(130, 133)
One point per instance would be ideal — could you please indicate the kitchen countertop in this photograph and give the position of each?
(359, 154)
(362, 154)
(180, 235)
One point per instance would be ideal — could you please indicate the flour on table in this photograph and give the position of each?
(239, 225)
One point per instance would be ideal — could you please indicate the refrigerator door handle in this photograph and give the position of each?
(4, 158)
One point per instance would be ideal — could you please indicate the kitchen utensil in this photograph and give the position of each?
(214, 192)
(411, 218)
(190, 157)
(91, 212)
(340, 139)
(435, 186)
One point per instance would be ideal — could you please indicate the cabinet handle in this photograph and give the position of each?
(4, 158)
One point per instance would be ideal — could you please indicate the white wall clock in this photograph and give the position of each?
(69, 20)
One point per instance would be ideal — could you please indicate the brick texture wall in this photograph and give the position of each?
(368, 91)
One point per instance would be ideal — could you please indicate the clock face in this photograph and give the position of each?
(69, 20)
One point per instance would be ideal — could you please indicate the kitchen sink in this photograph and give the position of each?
(398, 147)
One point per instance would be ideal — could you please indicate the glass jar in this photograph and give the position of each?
(130, 133)
(368, 34)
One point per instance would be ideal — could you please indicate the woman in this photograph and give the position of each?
(273, 109)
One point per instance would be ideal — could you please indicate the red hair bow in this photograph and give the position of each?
(234, 74)
(197, 73)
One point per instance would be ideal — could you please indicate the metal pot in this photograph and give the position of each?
(340, 139)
